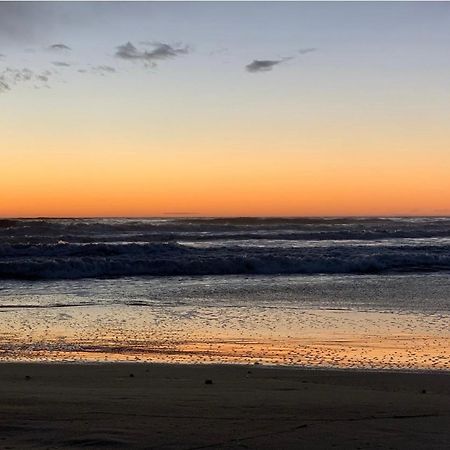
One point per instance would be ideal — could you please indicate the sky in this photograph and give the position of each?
(224, 109)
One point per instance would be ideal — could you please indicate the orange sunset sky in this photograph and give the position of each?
(224, 109)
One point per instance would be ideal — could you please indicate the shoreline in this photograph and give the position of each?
(142, 405)
(224, 365)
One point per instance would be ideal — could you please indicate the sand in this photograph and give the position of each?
(171, 406)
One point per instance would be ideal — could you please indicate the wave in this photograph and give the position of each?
(100, 226)
(78, 248)
(65, 260)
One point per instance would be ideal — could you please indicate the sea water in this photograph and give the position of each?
(318, 292)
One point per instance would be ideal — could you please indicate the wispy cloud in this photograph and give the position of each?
(59, 47)
(158, 51)
(61, 64)
(4, 86)
(103, 70)
(11, 77)
(44, 77)
(304, 51)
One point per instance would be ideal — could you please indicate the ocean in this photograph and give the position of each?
(314, 292)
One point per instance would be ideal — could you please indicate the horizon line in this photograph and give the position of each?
(199, 216)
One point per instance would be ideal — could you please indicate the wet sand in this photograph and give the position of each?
(370, 322)
(141, 405)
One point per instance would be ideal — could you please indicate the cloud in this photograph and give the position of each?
(304, 51)
(60, 64)
(263, 65)
(165, 51)
(98, 70)
(59, 47)
(10, 77)
(42, 77)
(4, 86)
(103, 70)
(128, 51)
(17, 75)
(159, 51)
(266, 65)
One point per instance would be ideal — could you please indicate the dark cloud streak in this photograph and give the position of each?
(266, 65)
(262, 65)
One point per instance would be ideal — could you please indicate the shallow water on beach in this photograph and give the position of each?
(365, 321)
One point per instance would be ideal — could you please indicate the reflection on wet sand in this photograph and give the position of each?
(304, 337)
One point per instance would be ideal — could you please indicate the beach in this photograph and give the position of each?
(138, 405)
(225, 333)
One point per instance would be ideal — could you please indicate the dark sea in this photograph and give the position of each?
(89, 248)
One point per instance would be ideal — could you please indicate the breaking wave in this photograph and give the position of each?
(79, 260)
